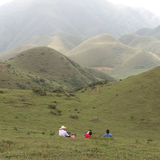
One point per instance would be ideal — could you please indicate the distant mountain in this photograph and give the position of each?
(61, 44)
(155, 32)
(24, 20)
(105, 52)
(11, 53)
(143, 31)
(148, 43)
(43, 67)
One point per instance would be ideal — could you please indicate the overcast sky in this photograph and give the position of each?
(151, 5)
(4, 1)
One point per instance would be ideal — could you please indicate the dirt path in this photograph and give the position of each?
(1, 69)
(155, 56)
(93, 91)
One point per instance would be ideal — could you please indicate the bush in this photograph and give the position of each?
(51, 106)
(74, 116)
(39, 92)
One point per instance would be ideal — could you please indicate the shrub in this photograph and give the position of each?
(73, 116)
(51, 106)
(39, 92)
(52, 133)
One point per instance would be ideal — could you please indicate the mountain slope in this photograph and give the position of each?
(43, 67)
(21, 21)
(147, 43)
(143, 31)
(11, 53)
(104, 50)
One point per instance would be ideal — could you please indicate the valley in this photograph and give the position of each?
(88, 65)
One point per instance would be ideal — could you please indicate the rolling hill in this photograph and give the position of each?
(61, 42)
(43, 67)
(142, 31)
(58, 43)
(13, 52)
(103, 50)
(129, 108)
(22, 21)
(147, 43)
(107, 53)
(155, 32)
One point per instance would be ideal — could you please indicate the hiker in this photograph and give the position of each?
(107, 134)
(62, 132)
(88, 134)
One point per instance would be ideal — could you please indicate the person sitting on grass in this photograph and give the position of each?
(62, 132)
(88, 134)
(107, 134)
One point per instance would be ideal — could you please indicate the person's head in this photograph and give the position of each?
(107, 131)
(90, 133)
(63, 127)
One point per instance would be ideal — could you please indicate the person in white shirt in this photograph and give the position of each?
(62, 132)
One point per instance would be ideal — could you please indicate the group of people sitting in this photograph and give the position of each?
(63, 133)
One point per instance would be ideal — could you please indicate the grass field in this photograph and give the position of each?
(130, 108)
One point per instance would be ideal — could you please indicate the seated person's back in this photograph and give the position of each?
(107, 134)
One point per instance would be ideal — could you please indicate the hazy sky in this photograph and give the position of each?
(5, 1)
(151, 5)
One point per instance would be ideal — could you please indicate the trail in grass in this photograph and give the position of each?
(94, 90)
(155, 56)
(1, 69)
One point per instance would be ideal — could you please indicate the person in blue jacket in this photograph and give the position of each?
(107, 134)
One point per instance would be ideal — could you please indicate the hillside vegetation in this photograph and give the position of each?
(13, 52)
(63, 44)
(107, 53)
(129, 108)
(147, 43)
(45, 68)
(22, 21)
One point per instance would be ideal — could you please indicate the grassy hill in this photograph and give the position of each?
(43, 67)
(155, 32)
(102, 50)
(147, 43)
(129, 108)
(143, 31)
(22, 21)
(11, 53)
(60, 44)
(61, 41)
(105, 51)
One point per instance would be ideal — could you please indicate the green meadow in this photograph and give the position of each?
(29, 122)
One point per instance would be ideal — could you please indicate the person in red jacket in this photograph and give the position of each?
(88, 134)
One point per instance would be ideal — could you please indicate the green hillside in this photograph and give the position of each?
(119, 60)
(129, 108)
(103, 50)
(43, 67)
(61, 45)
(61, 41)
(155, 32)
(143, 31)
(147, 43)
(11, 53)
